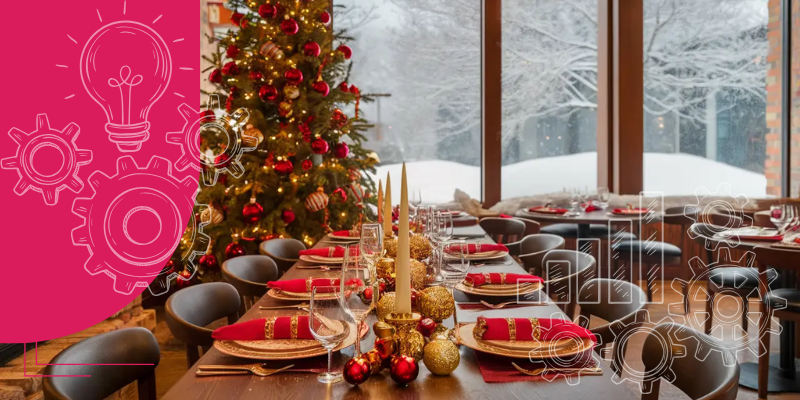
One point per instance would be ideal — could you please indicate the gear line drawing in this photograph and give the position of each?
(733, 206)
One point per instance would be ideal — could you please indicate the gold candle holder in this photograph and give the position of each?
(410, 342)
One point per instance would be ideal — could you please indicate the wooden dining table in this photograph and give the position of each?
(585, 220)
(465, 382)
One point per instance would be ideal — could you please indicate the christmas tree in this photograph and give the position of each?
(282, 158)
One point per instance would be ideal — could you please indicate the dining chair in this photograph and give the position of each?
(622, 305)
(531, 227)
(534, 247)
(763, 219)
(683, 217)
(736, 281)
(564, 272)
(503, 230)
(189, 310)
(249, 275)
(707, 379)
(285, 252)
(651, 254)
(725, 219)
(125, 346)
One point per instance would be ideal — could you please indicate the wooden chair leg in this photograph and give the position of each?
(709, 311)
(192, 354)
(763, 351)
(745, 310)
(147, 386)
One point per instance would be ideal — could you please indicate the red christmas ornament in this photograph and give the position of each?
(325, 18)
(285, 109)
(290, 26)
(343, 87)
(255, 75)
(268, 93)
(267, 11)
(215, 76)
(341, 150)
(354, 174)
(307, 164)
(185, 279)
(341, 193)
(346, 50)
(222, 160)
(339, 119)
(413, 292)
(288, 216)
(426, 326)
(209, 263)
(319, 146)
(385, 348)
(252, 211)
(284, 167)
(317, 201)
(322, 88)
(236, 18)
(356, 371)
(293, 76)
(404, 369)
(232, 51)
(312, 49)
(234, 250)
(230, 68)
(169, 268)
(354, 90)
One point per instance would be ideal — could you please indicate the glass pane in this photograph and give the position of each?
(549, 96)
(711, 77)
(426, 55)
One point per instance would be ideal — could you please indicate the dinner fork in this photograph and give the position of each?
(255, 369)
(300, 306)
(570, 371)
(506, 304)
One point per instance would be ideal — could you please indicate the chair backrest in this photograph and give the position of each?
(531, 227)
(565, 271)
(724, 219)
(250, 274)
(503, 230)
(190, 309)
(681, 215)
(534, 247)
(285, 252)
(763, 219)
(707, 379)
(124, 346)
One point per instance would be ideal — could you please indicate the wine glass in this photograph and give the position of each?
(781, 215)
(575, 201)
(371, 242)
(328, 324)
(423, 220)
(604, 196)
(415, 198)
(455, 266)
(356, 278)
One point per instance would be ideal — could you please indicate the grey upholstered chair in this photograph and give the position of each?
(503, 230)
(564, 272)
(285, 252)
(534, 247)
(249, 275)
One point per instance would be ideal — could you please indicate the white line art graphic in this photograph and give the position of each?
(42, 179)
(219, 123)
(126, 67)
(557, 366)
(730, 204)
(150, 194)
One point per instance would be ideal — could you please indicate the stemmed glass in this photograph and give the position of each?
(604, 196)
(356, 278)
(781, 215)
(328, 324)
(454, 268)
(442, 232)
(575, 201)
(371, 243)
(423, 220)
(415, 198)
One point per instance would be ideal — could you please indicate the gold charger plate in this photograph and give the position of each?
(284, 295)
(344, 238)
(235, 349)
(322, 260)
(279, 345)
(487, 255)
(500, 292)
(524, 349)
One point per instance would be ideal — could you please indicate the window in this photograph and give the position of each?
(549, 96)
(426, 55)
(711, 77)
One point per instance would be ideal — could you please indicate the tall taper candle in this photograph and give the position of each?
(380, 201)
(403, 262)
(387, 208)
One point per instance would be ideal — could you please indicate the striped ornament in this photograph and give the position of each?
(357, 192)
(271, 51)
(317, 201)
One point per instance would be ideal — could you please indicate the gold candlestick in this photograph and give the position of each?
(409, 340)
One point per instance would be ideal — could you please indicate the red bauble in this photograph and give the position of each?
(319, 146)
(209, 263)
(232, 51)
(404, 369)
(322, 88)
(255, 75)
(293, 76)
(426, 326)
(386, 348)
(252, 212)
(230, 68)
(354, 90)
(343, 87)
(236, 18)
(312, 49)
(340, 192)
(215, 76)
(356, 371)
(290, 26)
(185, 279)
(222, 160)
(288, 216)
(268, 93)
(325, 18)
(307, 164)
(341, 150)
(169, 268)
(267, 11)
(284, 167)
(346, 50)
(339, 119)
(234, 250)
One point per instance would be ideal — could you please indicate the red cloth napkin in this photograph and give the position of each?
(473, 248)
(589, 207)
(499, 279)
(548, 210)
(629, 211)
(295, 327)
(505, 216)
(333, 252)
(344, 233)
(497, 369)
(529, 329)
(302, 285)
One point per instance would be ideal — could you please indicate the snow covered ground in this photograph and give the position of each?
(673, 174)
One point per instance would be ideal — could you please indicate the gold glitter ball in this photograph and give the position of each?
(419, 273)
(440, 332)
(436, 303)
(385, 305)
(420, 247)
(441, 357)
(385, 268)
(390, 245)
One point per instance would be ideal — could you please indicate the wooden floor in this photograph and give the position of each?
(173, 359)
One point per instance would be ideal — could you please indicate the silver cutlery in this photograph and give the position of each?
(255, 369)
(300, 306)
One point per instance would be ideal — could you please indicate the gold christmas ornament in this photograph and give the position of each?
(211, 216)
(252, 137)
(385, 268)
(436, 303)
(383, 329)
(408, 339)
(419, 273)
(385, 305)
(373, 358)
(420, 247)
(390, 245)
(440, 332)
(441, 357)
(291, 92)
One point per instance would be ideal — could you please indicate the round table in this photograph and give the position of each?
(584, 220)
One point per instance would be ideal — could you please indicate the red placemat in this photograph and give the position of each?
(497, 369)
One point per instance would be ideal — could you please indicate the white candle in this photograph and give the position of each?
(387, 208)
(380, 201)
(403, 262)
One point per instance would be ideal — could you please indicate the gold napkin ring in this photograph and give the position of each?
(512, 329)
(269, 329)
(536, 330)
(293, 327)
